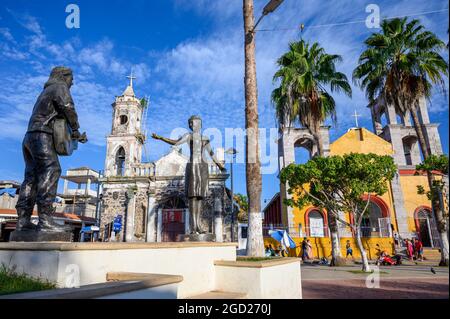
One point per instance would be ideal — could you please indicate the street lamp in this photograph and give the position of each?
(269, 8)
(233, 152)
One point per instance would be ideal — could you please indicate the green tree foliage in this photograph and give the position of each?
(401, 63)
(434, 163)
(305, 72)
(242, 202)
(338, 184)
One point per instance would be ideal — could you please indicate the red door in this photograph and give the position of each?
(172, 224)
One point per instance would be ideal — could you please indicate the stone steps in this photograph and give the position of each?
(119, 286)
(432, 253)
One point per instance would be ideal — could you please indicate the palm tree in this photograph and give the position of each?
(305, 72)
(401, 65)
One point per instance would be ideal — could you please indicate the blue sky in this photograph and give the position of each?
(187, 56)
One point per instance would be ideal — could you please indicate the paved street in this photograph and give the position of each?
(396, 282)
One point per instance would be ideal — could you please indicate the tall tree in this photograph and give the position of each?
(437, 164)
(305, 72)
(401, 65)
(341, 184)
(255, 242)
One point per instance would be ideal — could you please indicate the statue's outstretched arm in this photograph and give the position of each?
(180, 141)
(213, 156)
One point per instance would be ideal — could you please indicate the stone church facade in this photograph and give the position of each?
(150, 197)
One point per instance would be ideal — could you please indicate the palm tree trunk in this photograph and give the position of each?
(419, 132)
(336, 254)
(435, 198)
(255, 243)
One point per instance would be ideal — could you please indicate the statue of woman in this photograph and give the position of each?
(197, 173)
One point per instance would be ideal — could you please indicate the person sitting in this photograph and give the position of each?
(272, 251)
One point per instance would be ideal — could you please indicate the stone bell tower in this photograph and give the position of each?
(399, 131)
(124, 144)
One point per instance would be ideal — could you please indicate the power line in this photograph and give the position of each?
(351, 22)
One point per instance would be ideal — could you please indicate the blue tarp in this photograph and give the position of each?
(10, 191)
(283, 237)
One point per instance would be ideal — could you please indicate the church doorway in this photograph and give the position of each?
(173, 219)
(426, 227)
(173, 224)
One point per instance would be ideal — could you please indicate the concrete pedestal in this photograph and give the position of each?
(199, 237)
(40, 236)
(73, 264)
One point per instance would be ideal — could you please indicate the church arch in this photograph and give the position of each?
(383, 119)
(120, 161)
(409, 143)
(173, 217)
(425, 225)
(123, 119)
(175, 201)
(374, 222)
(304, 148)
(316, 223)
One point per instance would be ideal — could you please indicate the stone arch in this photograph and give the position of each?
(378, 209)
(173, 201)
(120, 160)
(411, 150)
(425, 225)
(289, 138)
(292, 138)
(316, 213)
(305, 143)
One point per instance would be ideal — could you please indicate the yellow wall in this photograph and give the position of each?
(412, 200)
(351, 143)
(321, 247)
(364, 141)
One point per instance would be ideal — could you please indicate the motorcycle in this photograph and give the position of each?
(386, 260)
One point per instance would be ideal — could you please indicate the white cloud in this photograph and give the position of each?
(6, 33)
(97, 69)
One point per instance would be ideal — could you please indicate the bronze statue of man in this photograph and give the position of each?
(197, 172)
(43, 170)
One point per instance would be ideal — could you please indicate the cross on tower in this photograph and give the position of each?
(131, 77)
(356, 115)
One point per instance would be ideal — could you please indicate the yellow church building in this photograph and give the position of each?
(399, 214)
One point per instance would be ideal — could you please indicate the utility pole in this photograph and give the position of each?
(255, 243)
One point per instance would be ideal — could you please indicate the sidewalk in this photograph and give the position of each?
(395, 282)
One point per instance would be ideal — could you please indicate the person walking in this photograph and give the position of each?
(419, 250)
(409, 249)
(304, 249)
(309, 249)
(349, 250)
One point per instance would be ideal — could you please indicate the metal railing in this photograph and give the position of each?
(379, 229)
